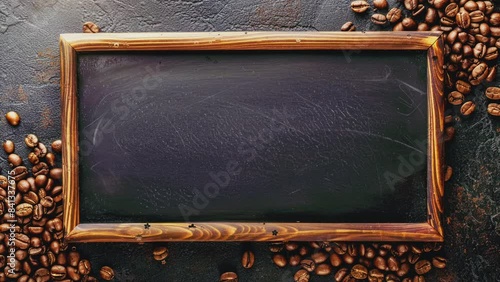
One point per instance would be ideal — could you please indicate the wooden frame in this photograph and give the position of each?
(72, 44)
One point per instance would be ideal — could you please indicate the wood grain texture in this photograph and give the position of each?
(229, 231)
(71, 44)
(252, 41)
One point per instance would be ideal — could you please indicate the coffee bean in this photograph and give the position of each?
(463, 87)
(335, 260)
(307, 264)
(447, 175)
(348, 26)
(479, 50)
(42, 275)
(291, 246)
(40, 150)
(380, 263)
(14, 160)
(393, 264)
(108, 274)
(439, 262)
(22, 241)
(422, 267)
(40, 168)
(90, 27)
(398, 27)
(341, 274)
(279, 260)
(50, 159)
(323, 269)
(319, 257)
(301, 275)
(463, 19)
(31, 140)
(294, 260)
(58, 272)
(19, 173)
(31, 198)
(403, 269)
(439, 4)
(449, 133)
(418, 11)
(359, 272)
(431, 16)
(451, 10)
(493, 93)
(410, 4)
(33, 158)
(348, 258)
(491, 54)
(24, 210)
(455, 98)
(248, 259)
(13, 118)
(339, 248)
(276, 247)
(494, 109)
(72, 273)
(8, 146)
(392, 278)
(84, 267)
(380, 4)
(409, 24)
(467, 108)
(359, 6)
(495, 19)
(479, 73)
(379, 19)
(447, 22)
(475, 17)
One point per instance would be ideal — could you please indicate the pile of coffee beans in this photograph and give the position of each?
(472, 38)
(32, 246)
(374, 262)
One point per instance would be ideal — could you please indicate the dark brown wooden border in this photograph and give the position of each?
(71, 44)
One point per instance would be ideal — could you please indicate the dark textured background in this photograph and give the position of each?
(29, 84)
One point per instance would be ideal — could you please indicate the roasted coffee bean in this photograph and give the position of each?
(40, 150)
(301, 275)
(41, 181)
(463, 87)
(31, 198)
(452, 37)
(439, 262)
(40, 168)
(439, 4)
(479, 73)
(422, 267)
(73, 258)
(379, 19)
(90, 27)
(398, 27)
(380, 263)
(23, 186)
(467, 108)
(12, 118)
(422, 27)
(72, 273)
(409, 24)
(494, 109)
(341, 274)
(22, 241)
(491, 54)
(393, 264)
(380, 4)
(495, 19)
(475, 17)
(455, 98)
(447, 22)
(19, 173)
(463, 19)
(107, 273)
(493, 93)
(348, 258)
(161, 253)
(403, 269)
(323, 269)
(247, 260)
(276, 247)
(24, 210)
(58, 272)
(31, 140)
(279, 260)
(431, 16)
(352, 250)
(42, 275)
(84, 267)
(307, 264)
(294, 260)
(375, 276)
(8, 146)
(359, 6)
(339, 248)
(56, 146)
(392, 278)
(359, 272)
(410, 4)
(33, 159)
(449, 133)
(319, 257)
(447, 175)
(479, 50)
(451, 10)
(50, 159)
(37, 212)
(291, 246)
(335, 260)
(394, 15)
(470, 6)
(348, 26)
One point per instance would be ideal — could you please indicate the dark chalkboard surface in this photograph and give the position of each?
(254, 136)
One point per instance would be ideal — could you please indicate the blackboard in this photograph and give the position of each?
(253, 136)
